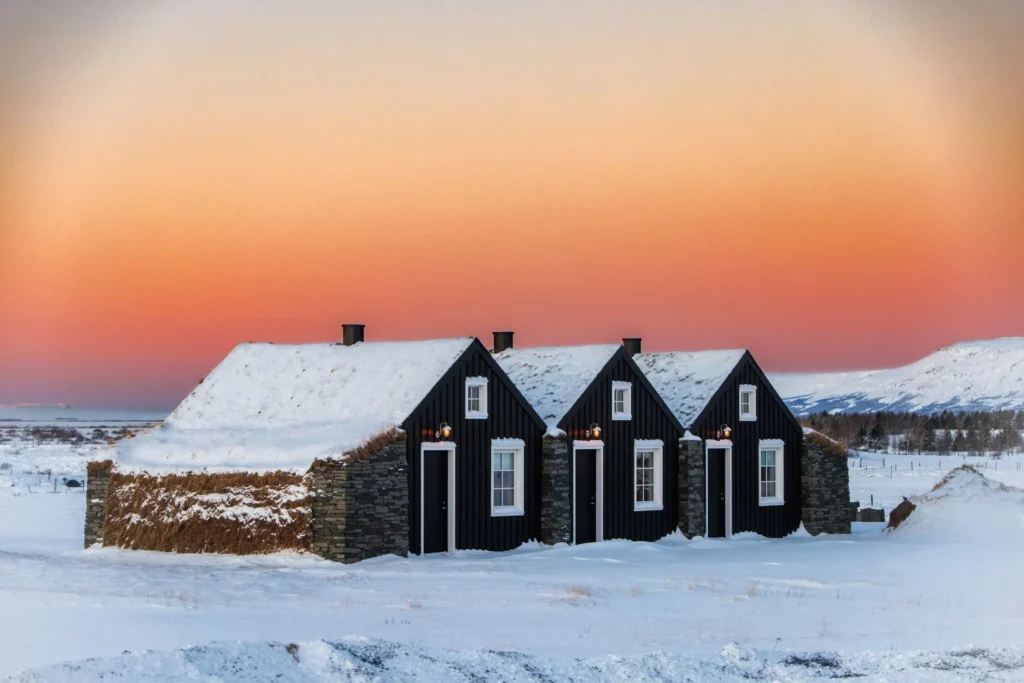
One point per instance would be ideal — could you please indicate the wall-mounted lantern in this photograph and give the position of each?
(444, 432)
(595, 431)
(724, 432)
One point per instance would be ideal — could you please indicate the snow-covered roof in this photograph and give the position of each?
(273, 407)
(686, 380)
(552, 378)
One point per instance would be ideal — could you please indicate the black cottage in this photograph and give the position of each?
(742, 469)
(610, 459)
(473, 447)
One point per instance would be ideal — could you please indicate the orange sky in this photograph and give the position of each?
(831, 185)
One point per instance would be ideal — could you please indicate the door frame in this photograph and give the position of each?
(598, 448)
(440, 446)
(725, 445)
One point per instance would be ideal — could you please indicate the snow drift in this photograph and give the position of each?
(964, 506)
(363, 659)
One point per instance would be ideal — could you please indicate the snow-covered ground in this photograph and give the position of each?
(664, 610)
(888, 478)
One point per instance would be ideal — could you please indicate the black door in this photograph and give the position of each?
(435, 502)
(716, 493)
(586, 496)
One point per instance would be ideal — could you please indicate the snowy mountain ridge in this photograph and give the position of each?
(977, 375)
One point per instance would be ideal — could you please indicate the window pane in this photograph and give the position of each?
(496, 461)
(508, 461)
(497, 479)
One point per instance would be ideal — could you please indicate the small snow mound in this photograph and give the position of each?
(967, 483)
(965, 505)
(737, 653)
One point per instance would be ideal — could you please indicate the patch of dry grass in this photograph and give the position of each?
(240, 513)
(828, 445)
(899, 514)
(363, 452)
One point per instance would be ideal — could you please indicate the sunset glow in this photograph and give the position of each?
(183, 177)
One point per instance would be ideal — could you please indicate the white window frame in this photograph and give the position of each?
(518, 448)
(752, 415)
(779, 446)
(480, 414)
(658, 447)
(627, 404)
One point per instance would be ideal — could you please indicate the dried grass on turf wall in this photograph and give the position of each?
(826, 444)
(239, 513)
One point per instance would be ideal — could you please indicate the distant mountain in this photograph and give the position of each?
(981, 375)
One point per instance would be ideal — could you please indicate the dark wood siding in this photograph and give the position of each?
(773, 422)
(508, 418)
(651, 420)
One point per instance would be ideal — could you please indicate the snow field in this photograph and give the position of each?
(931, 586)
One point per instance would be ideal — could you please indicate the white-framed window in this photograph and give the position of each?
(622, 401)
(748, 403)
(507, 462)
(771, 480)
(647, 475)
(476, 398)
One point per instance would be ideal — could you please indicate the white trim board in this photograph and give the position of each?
(598, 449)
(440, 446)
(725, 445)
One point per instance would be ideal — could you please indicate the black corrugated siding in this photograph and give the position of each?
(507, 419)
(650, 421)
(773, 422)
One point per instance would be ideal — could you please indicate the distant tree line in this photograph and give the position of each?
(974, 433)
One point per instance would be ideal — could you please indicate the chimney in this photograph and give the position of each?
(351, 333)
(502, 341)
(632, 345)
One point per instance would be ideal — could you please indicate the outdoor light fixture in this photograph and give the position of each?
(444, 431)
(724, 432)
(595, 431)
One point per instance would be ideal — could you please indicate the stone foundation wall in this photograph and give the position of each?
(97, 482)
(555, 491)
(361, 508)
(691, 487)
(824, 489)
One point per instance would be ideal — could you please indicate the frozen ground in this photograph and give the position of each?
(665, 609)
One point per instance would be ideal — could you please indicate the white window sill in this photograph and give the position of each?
(622, 416)
(475, 415)
(507, 512)
(644, 507)
(748, 418)
(771, 502)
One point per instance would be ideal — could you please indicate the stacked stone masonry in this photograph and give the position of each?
(361, 508)
(691, 487)
(555, 491)
(824, 490)
(96, 502)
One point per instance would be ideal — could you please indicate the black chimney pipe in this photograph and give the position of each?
(632, 345)
(351, 333)
(502, 341)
